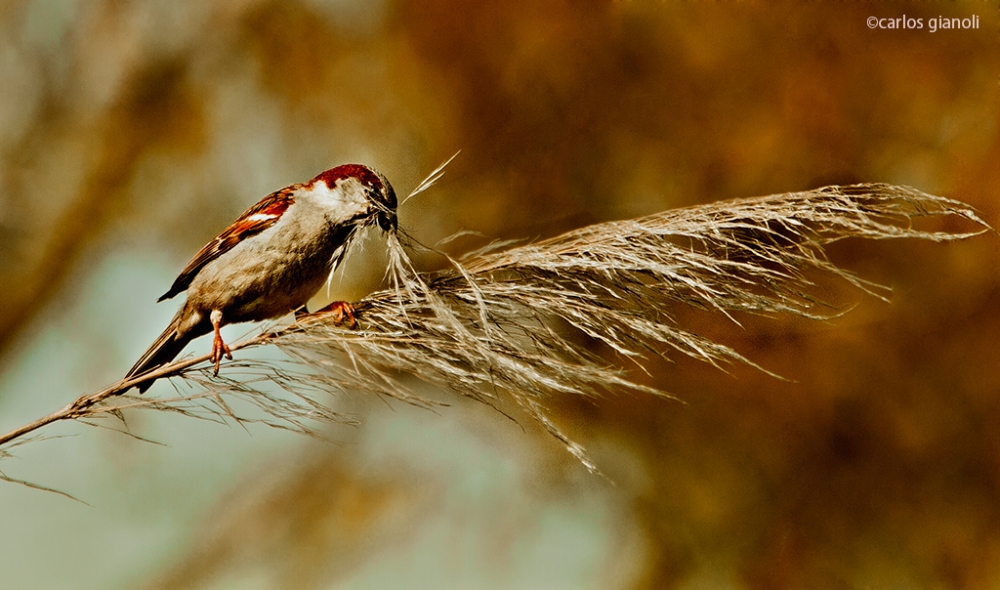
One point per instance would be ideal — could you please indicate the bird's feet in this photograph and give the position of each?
(219, 347)
(341, 311)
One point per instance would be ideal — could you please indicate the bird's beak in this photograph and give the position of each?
(387, 220)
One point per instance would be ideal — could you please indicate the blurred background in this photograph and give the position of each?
(132, 132)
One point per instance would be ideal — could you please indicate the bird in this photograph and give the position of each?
(273, 259)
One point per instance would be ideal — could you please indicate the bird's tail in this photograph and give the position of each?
(166, 348)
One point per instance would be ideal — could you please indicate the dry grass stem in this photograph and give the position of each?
(531, 322)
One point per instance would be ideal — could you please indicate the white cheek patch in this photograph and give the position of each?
(346, 200)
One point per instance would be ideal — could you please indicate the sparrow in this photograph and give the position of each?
(273, 259)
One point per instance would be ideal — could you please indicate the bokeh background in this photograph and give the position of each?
(132, 132)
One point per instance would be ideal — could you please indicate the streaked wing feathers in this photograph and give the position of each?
(253, 221)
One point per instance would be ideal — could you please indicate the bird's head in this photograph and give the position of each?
(366, 191)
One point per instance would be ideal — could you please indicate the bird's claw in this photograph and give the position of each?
(219, 348)
(341, 311)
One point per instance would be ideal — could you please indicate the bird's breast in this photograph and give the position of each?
(272, 273)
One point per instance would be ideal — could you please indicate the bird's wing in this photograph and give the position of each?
(253, 221)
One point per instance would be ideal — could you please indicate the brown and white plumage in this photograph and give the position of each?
(272, 259)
